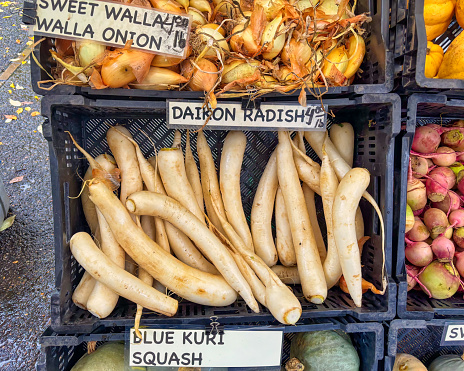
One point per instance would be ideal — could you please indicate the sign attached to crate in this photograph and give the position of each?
(453, 334)
(114, 24)
(198, 348)
(288, 116)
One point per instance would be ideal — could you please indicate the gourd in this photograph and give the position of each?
(449, 362)
(108, 357)
(407, 362)
(451, 67)
(433, 59)
(324, 350)
(437, 16)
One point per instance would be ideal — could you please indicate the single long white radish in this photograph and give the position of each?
(359, 224)
(307, 255)
(349, 193)
(117, 279)
(229, 182)
(83, 290)
(284, 241)
(172, 170)
(329, 185)
(307, 173)
(193, 175)
(176, 143)
(280, 301)
(209, 181)
(261, 213)
(342, 136)
(186, 251)
(312, 212)
(108, 164)
(103, 300)
(126, 158)
(288, 275)
(149, 203)
(192, 284)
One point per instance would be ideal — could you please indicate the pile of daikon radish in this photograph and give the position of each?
(187, 232)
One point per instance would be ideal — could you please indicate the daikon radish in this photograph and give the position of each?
(149, 203)
(261, 213)
(280, 301)
(284, 242)
(176, 143)
(193, 175)
(108, 164)
(103, 300)
(126, 158)
(288, 275)
(312, 212)
(229, 182)
(329, 185)
(186, 251)
(117, 279)
(172, 170)
(342, 136)
(307, 255)
(83, 290)
(307, 173)
(349, 192)
(359, 224)
(209, 181)
(192, 284)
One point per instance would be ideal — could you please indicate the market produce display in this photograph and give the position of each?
(447, 362)
(174, 228)
(435, 218)
(235, 49)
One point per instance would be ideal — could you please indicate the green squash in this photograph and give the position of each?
(449, 362)
(325, 350)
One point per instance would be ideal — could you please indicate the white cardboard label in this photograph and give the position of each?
(114, 24)
(196, 348)
(183, 114)
(453, 334)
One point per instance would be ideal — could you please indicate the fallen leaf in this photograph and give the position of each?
(7, 16)
(36, 97)
(23, 62)
(15, 262)
(18, 41)
(15, 103)
(12, 85)
(17, 179)
(39, 129)
(7, 223)
(11, 117)
(35, 113)
(29, 43)
(27, 109)
(19, 110)
(19, 87)
(9, 91)
(1, 143)
(24, 103)
(7, 121)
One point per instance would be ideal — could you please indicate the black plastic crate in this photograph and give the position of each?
(61, 352)
(375, 76)
(422, 109)
(376, 119)
(419, 338)
(410, 49)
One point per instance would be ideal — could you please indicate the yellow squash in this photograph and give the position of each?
(433, 59)
(451, 67)
(437, 16)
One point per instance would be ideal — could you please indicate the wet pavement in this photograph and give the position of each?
(26, 248)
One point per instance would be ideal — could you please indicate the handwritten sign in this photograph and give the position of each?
(196, 348)
(114, 24)
(183, 114)
(453, 334)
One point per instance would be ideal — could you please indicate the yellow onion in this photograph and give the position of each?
(160, 79)
(64, 47)
(302, 5)
(124, 66)
(198, 18)
(165, 61)
(338, 58)
(238, 70)
(266, 82)
(201, 5)
(300, 50)
(242, 18)
(285, 74)
(316, 59)
(275, 44)
(69, 64)
(330, 8)
(271, 7)
(222, 6)
(184, 3)
(243, 42)
(89, 52)
(215, 27)
(207, 35)
(168, 6)
(356, 49)
(203, 81)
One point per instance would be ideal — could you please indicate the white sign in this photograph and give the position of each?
(196, 348)
(114, 24)
(182, 114)
(453, 334)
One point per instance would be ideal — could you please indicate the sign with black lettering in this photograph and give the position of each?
(114, 24)
(197, 348)
(453, 334)
(289, 116)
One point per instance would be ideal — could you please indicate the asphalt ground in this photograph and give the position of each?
(26, 248)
